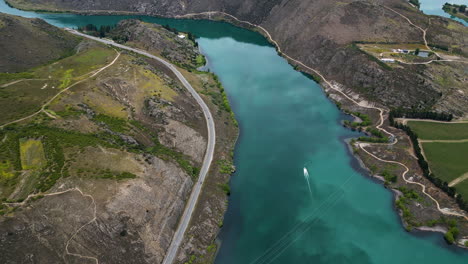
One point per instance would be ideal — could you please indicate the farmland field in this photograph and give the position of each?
(447, 161)
(439, 131)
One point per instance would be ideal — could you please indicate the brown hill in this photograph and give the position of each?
(320, 33)
(31, 42)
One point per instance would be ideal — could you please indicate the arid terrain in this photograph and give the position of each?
(101, 148)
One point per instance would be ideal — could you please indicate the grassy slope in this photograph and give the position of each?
(26, 97)
(30, 43)
(462, 188)
(447, 161)
(439, 131)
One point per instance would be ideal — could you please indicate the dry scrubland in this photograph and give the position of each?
(127, 142)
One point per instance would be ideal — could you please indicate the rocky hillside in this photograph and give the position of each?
(31, 42)
(154, 38)
(99, 152)
(320, 33)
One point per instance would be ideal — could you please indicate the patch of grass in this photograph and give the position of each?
(447, 160)
(365, 120)
(226, 166)
(66, 79)
(9, 77)
(225, 187)
(6, 170)
(200, 60)
(389, 177)
(78, 64)
(114, 123)
(439, 131)
(32, 154)
(462, 189)
(53, 140)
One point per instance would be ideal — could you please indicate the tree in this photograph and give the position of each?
(416, 51)
(449, 237)
(462, 8)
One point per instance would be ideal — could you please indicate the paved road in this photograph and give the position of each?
(190, 206)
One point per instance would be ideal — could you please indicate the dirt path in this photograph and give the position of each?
(22, 80)
(93, 73)
(458, 180)
(67, 252)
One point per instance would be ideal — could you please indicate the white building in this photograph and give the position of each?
(387, 60)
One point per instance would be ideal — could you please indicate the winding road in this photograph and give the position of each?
(192, 202)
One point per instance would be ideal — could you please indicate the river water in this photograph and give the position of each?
(290, 130)
(434, 7)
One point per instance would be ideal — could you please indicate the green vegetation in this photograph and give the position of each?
(389, 177)
(459, 11)
(225, 102)
(415, 2)
(26, 97)
(462, 189)
(32, 154)
(200, 60)
(420, 114)
(53, 141)
(409, 193)
(402, 203)
(166, 153)
(439, 131)
(226, 166)
(6, 170)
(447, 160)
(225, 187)
(114, 123)
(437, 159)
(451, 235)
(365, 120)
(66, 79)
(9, 77)
(466, 243)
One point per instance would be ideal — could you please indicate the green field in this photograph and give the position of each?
(439, 131)
(32, 154)
(447, 161)
(462, 188)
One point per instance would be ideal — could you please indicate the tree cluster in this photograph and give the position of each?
(102, 32)
(420, 114)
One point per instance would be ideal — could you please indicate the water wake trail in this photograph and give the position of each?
(306, 176)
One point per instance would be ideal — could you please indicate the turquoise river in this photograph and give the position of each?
(277, 214)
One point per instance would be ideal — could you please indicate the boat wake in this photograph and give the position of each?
(307, 176)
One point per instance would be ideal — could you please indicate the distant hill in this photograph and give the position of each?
(31, 42)
(320, 33)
